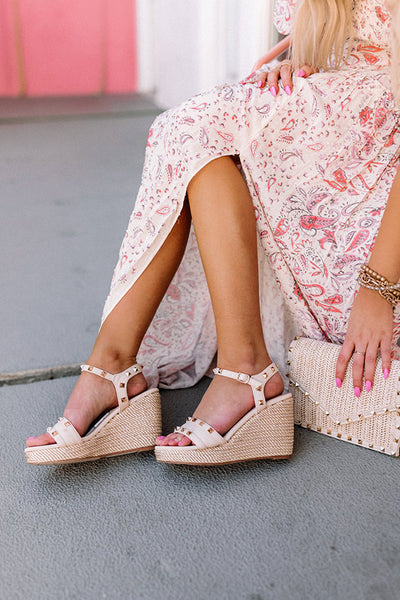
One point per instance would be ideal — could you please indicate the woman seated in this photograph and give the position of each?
(239, 260)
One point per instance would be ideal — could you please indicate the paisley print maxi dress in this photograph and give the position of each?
(319, 165)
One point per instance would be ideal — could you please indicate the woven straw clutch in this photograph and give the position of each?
(372, 420)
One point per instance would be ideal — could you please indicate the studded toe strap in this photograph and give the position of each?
(200, 433)
(64, 433)
(120, 380)
(256, 382)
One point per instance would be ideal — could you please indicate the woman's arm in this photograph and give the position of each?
(370, 325)
(276, 51)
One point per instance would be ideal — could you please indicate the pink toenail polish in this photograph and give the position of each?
(386, 373)
(368, 385)
(357, 392)
(338, 382)
(288, 90)
(301, 73)
(273, 91)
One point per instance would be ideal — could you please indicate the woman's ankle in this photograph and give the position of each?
(244, 362)
(112, 361)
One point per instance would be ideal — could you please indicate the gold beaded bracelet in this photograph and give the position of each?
(373, 281)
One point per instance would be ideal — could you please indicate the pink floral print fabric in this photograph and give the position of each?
(319, 165)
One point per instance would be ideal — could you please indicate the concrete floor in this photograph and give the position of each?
(323, 525)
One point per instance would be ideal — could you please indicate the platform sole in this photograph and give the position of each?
(135, 429)
(267, 435)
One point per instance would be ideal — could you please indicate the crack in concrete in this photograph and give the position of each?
(44, 374)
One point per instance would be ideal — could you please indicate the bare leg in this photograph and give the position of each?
(224, 222)
(121, 334)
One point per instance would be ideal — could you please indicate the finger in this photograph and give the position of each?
(272, 79)
(358, 371)
(248, 79)
(369, 365)
(261, 79)
(286, 77)
(305, 71)
(343, 360)
(386, 349)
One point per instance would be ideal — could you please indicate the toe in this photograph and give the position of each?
(184, 441)
(172, 439)
(179, 440)
(41, 440)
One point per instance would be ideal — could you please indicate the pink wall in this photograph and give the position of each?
(62, 47)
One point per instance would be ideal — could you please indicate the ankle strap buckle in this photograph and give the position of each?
(243, 377)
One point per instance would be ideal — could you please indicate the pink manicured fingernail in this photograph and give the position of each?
(301, 73)
(288, 90)
(161, 437)
(273, 91)
(338, 382)
(368, 385)
(357, 392)
(386, 373)
(261, 83)
(180, 443)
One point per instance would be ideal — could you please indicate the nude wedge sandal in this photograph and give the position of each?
(266, 431)
(132, 426)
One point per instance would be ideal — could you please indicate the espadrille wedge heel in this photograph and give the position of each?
(266, 431)
(132, 426)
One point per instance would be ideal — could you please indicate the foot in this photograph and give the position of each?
(225, 402)
(90, 398)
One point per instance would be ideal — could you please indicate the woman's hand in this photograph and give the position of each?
(370, 328)
(283, 72)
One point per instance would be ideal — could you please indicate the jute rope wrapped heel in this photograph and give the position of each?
(130, 427)
(266, 431)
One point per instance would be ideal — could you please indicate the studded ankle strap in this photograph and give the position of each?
(256, 382)
(120, 380)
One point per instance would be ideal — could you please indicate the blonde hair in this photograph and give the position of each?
(321, 29)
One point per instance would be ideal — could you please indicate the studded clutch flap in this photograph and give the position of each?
(372, 420)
